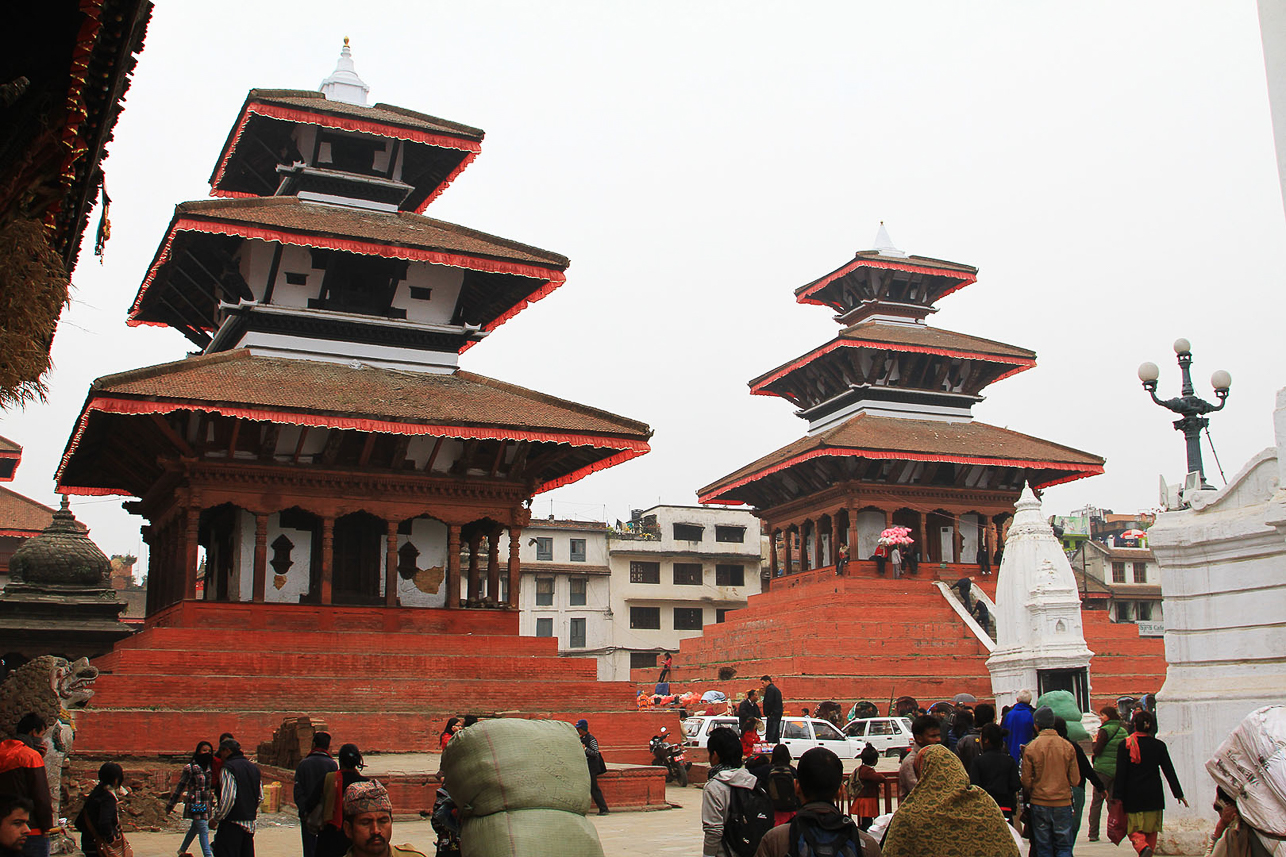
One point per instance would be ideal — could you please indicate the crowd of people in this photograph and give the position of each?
(978, 787)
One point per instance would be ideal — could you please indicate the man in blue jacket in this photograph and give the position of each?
(1018, 722)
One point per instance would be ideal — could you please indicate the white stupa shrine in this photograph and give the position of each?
(1040, 642)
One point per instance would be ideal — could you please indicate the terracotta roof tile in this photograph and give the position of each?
(8, 447)
(393, 228)
(308, 99)
(887, 437)
(19, 514)
(932, 337)
(236, 378)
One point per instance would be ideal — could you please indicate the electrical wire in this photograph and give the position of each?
(1216, 455)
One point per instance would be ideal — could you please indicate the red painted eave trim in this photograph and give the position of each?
(552, 278)
(625, 448)
(804, 296)
(757, 386)
(1078, 471)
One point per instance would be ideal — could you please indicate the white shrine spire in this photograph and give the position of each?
(884, 244)
(343, 83)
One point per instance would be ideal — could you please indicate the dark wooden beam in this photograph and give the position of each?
(500, 456)
(268, 441)
(433, 456)
(519, 463)
(299, 444)
(232, 442)
(367, 448)
(272, 274)
(400, 446)
(463, 463)
(330, 451)
(172, 436)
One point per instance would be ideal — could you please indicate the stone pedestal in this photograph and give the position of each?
(1040, 641)
(1224, 598)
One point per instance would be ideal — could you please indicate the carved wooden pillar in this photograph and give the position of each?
(834, 538)
(475, 575)
(493, 565)
(786, 547)
(924, 536)
(515, 566)
(453, 566)
(390, 567)
(192, 524)
(327, 559)
(955, 538)
(852, 535)
(261, 558)
(772, 555)
(803, 545)
(150, 541)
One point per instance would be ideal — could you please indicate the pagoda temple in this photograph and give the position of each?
(322, 473)
(891, 441)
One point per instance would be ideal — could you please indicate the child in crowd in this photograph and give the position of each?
(864, 788)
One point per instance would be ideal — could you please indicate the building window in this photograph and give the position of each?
(729, 575)
(721, 613)
(1118, 572)
(735, 535)
(577, 636)
(688, 532)
(578, 550)
(645, 572)
(687, 574)
(578, 586)
(544, 548)
(688, 618)
(544, 592)
(545, 627)
(1144, 611)
(1123, 613)
(1140, 572)
(642, 660)
(645, 617)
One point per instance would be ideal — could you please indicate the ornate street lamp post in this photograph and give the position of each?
(1189, 406)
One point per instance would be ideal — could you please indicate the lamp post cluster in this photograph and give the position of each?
(1188, 405)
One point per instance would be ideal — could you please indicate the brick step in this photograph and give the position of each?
(210, 640)
(345, 665)
(353, 693)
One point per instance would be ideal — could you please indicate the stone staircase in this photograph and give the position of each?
(386, 680)
(862, 636)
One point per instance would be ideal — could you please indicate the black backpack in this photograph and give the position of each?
(750, 816)
(781, 790)
(810, 839)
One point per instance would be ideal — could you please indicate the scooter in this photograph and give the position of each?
(672, 757)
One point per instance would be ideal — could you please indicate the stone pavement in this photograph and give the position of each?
(628, 834)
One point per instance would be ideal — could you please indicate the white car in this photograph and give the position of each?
(697, 729)
(890, 735)
(797, 733)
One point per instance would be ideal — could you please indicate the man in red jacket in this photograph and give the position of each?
(22, 773)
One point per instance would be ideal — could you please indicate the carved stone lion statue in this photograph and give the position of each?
(54, 688)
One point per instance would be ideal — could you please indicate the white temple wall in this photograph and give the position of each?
(430, 538)
(243, 587)
(298, 576)
(869, 526)
(1224, 593)
(445, 284)
(970, 530)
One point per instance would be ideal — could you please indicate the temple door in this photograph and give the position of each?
(359, 543)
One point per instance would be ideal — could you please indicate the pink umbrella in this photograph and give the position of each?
(896, 536)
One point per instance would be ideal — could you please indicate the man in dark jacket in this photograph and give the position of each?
(773, 710)
(239, 796)
(22, 773)
(969, 745)
(818, 822)
(748, 711)
(995, 772)
(593, 758)
(308, 778)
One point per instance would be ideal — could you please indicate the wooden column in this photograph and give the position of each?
(852, 536)
(192, 527)
(453, 566)
(805, 559)
(390, 567)
(834, 539)
(475, 577)
(261, 559)
(924, 536)
(327, 559)
(515, 565)
(785, 543)
(772, 555)
(955, 537)
(493, 565)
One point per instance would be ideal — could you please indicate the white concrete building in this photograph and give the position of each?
(1131, 575)
(676, 569)
(565, 589)
(1225, 596)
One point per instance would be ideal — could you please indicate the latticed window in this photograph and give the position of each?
(687, 574)
(645, 572)
(1118, 572)
(1140, 572)
(645, 617)
(729, 575)
(688, 618)
(544, 592)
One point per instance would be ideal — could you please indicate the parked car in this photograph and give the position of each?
(697, 729)
(797, 733)
(890, 735)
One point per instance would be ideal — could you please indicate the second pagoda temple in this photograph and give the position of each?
(891, 436)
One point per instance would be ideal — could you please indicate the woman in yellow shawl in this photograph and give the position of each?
(945, 816)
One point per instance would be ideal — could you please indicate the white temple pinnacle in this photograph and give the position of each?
(884, 244)
(343, 83)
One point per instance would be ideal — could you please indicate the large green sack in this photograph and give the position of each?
(530, 833)
(1064, 705)
(508, 764)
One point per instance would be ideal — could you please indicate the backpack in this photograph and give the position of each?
(781, 789)
(750, 816)
(809, 839)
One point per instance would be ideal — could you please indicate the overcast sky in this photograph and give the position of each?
(1108, 167)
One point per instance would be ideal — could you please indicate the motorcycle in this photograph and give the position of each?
(672, 757)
